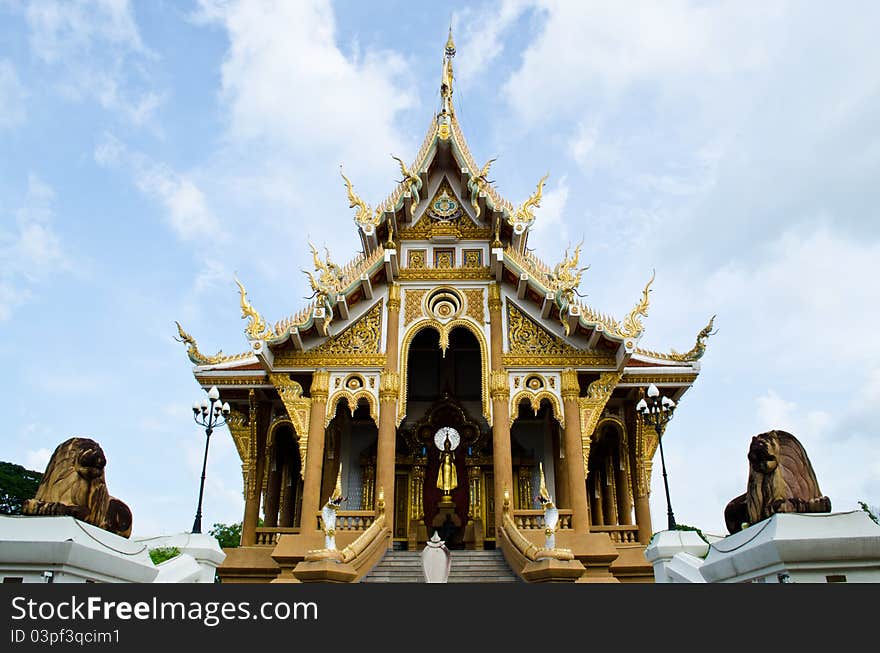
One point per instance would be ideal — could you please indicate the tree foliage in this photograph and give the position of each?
(228, 535)
(16, 485)
(163, 553)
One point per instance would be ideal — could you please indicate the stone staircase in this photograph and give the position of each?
(467, 567)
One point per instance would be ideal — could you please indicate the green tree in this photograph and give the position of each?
(16, 485)
(228, 535)
(873, 515)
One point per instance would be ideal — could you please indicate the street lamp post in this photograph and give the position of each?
(210, 414)
(656, 410)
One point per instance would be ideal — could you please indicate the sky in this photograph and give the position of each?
(151, 151)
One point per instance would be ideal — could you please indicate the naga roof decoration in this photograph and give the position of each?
(469, 209)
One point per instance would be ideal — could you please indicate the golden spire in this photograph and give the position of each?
(192, 349)
(699, 348)
(447, 78)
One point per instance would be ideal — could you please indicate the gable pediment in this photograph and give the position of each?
(529, 341)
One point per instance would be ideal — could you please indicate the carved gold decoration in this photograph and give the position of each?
(524, 216)
(389, 386)
(563, 282)
(498, 386)
(328, 284)
(298, 411)
(658, 379)
(477, 183)
(411, 180)
(697, 351)
(590, 409)
(252, 489)
(472, 258)
(364, 217)
(444, 258)
(412, 306)
(458, 274)
(534, 398)
(416, 259)
(192, 349)
(525, 336)
(474, 297)
(394, 297)
(246, 381)
(494, 297)
(569, 386)
(256, 328)
(297, 359)
(362, 337)
(632, 325)
(352, 399)
(320, 388)
(444, 330)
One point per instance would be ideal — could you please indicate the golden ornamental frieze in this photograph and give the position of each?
(412, 305)
(535, 397)
(452, 274)
(474, 298)
(658, 379)
(527, 337)
(351, 399)
(246, 381)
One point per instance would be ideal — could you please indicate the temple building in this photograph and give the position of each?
(440, 379)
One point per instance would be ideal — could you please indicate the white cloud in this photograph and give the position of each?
(97, 46)
(288, 85)
(37, 460)
(550, 231)
(480, 34)
(32, 250)
(12, 96)
(187, 209)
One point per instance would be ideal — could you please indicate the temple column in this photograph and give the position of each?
(642, 485)
(624, 496)
(389, 389)
(315, 452)
(256, 456)
(288, 490)
(273, 487)
(574, 463)
(499, 391)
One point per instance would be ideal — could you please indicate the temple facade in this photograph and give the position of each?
(439, 377)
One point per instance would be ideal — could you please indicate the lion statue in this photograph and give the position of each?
(73, 484)
(781, 479)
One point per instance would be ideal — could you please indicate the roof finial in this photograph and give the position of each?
(450, 44)
(446, 80)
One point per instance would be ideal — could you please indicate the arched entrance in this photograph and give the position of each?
(444, 390)
(350, 440)
(282, 495)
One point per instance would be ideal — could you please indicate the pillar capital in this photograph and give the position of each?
(320, 389)
(494, 297)
(498, 386)
(570, 388)
(394, 297)
(389, 386)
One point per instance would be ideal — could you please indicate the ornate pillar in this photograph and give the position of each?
(389, 388)
(315, 454)
(273, 487)
(254, 476)
(624, 493)
(499, 391)
(288, 490)
(574, 468)
(642, 484)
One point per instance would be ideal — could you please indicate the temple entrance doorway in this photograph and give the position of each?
(444, 444)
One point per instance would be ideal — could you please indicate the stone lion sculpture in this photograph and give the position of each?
(74, 484)
(781, 479)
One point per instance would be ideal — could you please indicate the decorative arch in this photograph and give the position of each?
(535, 399)
(352, 399)
(444, 329)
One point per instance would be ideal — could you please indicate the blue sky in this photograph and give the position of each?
(150, 151)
